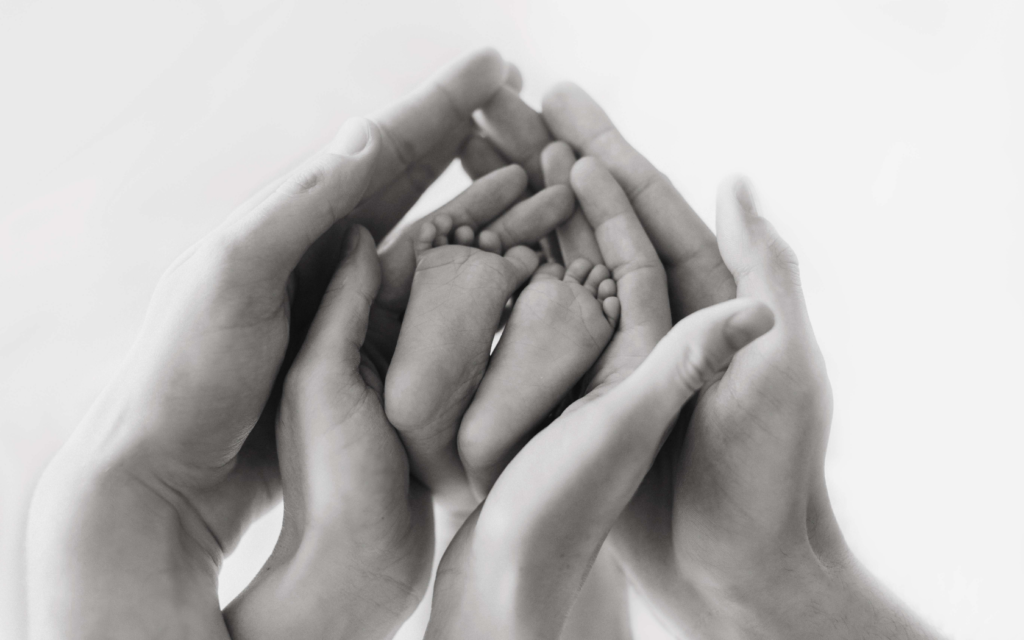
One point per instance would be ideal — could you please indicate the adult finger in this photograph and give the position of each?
(514, 81)
(415, 124)
(479, 204)
(529, 220)
(565, 506)
(575, 236)
(479, 157)
(341, 322)
(687, 248)
(423, 132)
(517, 131)
(763, 265)
(627, 251)
(273, 235)
(381, 211)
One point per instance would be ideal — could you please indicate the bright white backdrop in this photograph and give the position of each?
(885, 137)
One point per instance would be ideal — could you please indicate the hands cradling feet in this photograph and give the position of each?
(274, 329)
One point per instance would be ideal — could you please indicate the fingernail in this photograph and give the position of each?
(745, 196)
(351, 139)
(748, 324)
(351, 240)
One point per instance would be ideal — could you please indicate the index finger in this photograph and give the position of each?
(687, 247)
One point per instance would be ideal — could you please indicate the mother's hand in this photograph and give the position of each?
(132, 519)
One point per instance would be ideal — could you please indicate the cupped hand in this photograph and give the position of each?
(736, 500)
(357, 531)
(516, 567)
(731, 534)
(131, 520)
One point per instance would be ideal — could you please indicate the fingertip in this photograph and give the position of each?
(563, 200)
(559, 95)
(556, 162)
(474, 77)
(517, 175)
(588, 173)
(748, 323)
(356, 137)
(514, 79)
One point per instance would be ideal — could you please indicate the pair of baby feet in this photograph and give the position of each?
(462, 412)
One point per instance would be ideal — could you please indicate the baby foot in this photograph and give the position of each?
(489, 209)
(559, 326)
(459, 291)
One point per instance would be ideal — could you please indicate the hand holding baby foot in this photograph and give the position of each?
(356, 529)
(516, 566)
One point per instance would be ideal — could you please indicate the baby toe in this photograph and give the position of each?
(444, 224)
(578, 270)
(612, 309)
(424, 238)
(596, 276)
(465, 236)
(549, 271)
(489, 241)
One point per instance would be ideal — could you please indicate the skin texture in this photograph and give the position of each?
(458, 295)
(515, 568)
(731, 533)
(493, 208)
(336, 447)
(560, 324)
(179, 451)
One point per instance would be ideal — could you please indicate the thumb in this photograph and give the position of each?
(275, 232)
(688, 357)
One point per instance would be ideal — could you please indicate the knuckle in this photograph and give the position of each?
(305, 178)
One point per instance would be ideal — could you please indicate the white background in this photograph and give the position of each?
(885, 137)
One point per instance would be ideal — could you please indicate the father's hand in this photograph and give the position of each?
(132, 519)
(732, 534)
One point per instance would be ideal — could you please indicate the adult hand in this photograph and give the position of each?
(357, 531)
(131, 520)
(706, 568)
(732, 533)
(515, 568)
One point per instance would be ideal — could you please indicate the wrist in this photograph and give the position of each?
(806, 598)
(108, 557)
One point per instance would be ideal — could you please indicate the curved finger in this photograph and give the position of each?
(341, 321)
(479, 157)
(686, 246)
(575, 236)
(516, 130)
(532, 219)
(622, 239)
(415, 124)
(382, 210)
